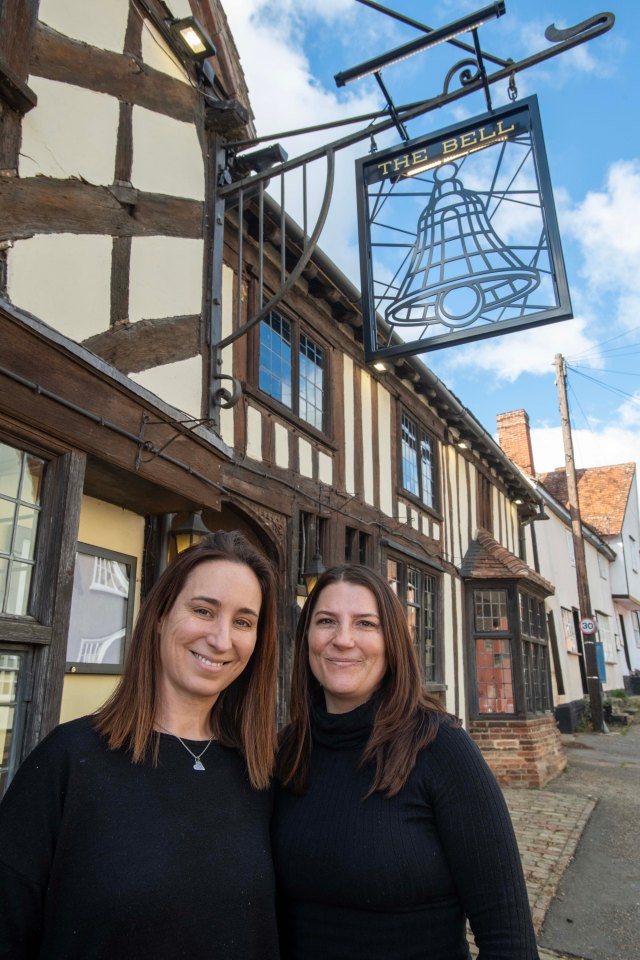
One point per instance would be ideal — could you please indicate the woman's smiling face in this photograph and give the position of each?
(347, 652)
(209, 634)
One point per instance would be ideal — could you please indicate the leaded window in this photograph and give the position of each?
(418, 461)
(490, 610)
(535, 654)
(292, 369)
(494, 675)
(21, 477)
(417, 590)
(511, 651)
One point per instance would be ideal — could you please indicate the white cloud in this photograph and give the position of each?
(606, 229)
(592, 448)
(533, 351)
(269, 33)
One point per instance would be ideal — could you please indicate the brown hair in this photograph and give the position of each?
(244, 713)
(406, 719)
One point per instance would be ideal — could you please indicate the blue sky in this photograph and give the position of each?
(290, 51)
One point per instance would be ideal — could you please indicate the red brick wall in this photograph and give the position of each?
(515, 439)
(521, 753)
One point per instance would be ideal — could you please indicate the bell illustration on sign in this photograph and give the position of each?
(459, 268)
(458, 236)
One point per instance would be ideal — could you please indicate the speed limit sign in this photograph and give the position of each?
(587, 625)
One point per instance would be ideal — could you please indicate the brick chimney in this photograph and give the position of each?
(515, 439)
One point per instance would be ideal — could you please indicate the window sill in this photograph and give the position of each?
(411, 498)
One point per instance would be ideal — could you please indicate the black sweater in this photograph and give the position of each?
(102, 858)
(392, 879)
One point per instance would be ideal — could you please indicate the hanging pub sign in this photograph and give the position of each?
(458, 236)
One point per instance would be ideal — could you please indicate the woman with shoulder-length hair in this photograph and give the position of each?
(143, 830)
(389, 829)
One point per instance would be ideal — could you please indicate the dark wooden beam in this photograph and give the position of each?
(100, 416)
(48, 205)
(17, 25)
(148, 343)
(14, 92)
(125, 76)
(120, 265)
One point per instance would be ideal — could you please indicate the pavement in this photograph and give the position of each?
(580, 847)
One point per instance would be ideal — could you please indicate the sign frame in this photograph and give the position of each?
(381, 338)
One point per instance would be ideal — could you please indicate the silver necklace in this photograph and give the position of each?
(198, 765)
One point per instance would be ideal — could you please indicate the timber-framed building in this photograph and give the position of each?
(108, 442)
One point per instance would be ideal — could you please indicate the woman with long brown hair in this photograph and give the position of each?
(389, 829)
(143, 830)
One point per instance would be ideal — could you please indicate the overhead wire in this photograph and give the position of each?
(606, 386)
(593, 349)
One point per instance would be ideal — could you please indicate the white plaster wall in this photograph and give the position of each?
(167, 157)
(555, 566)
(453, 512)
(449, 645)
(444, 493)
(165, 277)
(349, 417)
(65, 280)
(402, 511)
(282, 446)
(633, 645)
(463, 499)
(93, 21)
(179, 384)
(384, 446)
(227, 417)
(473, 515)
(158, 55)
(180, 8)
(325, 468)
(495, 513)
(305, 457)
(626, 580)
(254, 433)
(509, 510)
(72, 132)
(367, 436)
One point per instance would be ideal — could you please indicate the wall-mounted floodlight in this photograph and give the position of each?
(258, 160)
(192, 38)
(440, 35)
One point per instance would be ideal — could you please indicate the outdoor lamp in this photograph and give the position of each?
(192, 38)
(315, 568)
(258, 160)
(190, 531)
(440, 35)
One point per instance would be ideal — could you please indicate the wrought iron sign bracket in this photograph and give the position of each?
(471, 74)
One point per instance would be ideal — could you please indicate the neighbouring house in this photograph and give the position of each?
(609, 511)
(119, 275)
(609, 505)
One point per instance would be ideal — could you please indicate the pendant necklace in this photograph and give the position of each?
(198, 765)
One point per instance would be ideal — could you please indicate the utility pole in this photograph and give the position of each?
(588, 640)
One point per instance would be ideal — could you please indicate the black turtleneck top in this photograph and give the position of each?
(395, 879)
